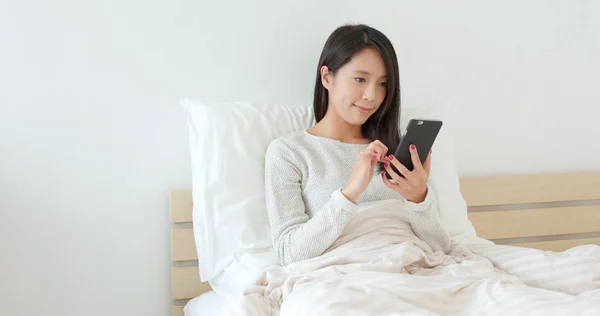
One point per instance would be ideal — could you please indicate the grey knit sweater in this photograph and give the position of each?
(304, 175)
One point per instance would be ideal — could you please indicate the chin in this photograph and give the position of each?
(357, 120)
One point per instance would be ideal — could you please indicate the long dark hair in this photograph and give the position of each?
(339, 48)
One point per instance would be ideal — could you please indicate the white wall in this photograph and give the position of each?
(92, 137)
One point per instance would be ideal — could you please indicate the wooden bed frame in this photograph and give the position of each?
(545, 211)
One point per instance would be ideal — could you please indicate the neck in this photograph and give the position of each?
(335, 127)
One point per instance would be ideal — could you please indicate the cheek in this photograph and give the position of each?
(346, 94)
(354, 92)
(381, 95)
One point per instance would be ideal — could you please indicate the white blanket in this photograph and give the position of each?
(379, 267)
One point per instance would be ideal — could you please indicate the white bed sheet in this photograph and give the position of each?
(378, 267)
(207, 304)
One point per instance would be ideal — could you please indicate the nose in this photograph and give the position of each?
(369, 92)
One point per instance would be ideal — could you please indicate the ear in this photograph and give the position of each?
(326, 77)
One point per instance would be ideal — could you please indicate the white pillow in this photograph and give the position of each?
(228, 142)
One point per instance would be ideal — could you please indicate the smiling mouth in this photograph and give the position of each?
(361, 109)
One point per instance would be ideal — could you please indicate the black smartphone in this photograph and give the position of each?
(420, 132)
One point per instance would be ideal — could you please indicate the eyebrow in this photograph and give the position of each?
(364, 72)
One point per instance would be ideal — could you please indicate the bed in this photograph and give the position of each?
(552, 212)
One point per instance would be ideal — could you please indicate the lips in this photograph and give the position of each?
(362, 110)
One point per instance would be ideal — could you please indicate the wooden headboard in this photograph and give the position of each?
(546, 211)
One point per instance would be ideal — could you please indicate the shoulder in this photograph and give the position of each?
(288, 144)
(287, 151)
(285, 154)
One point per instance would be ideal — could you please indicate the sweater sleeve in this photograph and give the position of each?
(296, 236)
(426, 222)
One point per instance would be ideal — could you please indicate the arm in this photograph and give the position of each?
(426, 221)
(295, 236)
(421, 196)
(441, 219)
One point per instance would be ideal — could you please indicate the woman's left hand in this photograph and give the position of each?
(413, 186)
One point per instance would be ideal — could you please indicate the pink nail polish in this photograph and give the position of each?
(386, 164)
(412, 146)
(391, 157)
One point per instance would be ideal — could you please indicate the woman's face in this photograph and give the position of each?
(358, 88)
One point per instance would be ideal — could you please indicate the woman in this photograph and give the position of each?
(315, 178)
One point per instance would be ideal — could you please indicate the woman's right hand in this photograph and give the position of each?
(363, 169)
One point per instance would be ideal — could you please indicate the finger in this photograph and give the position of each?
(382, 150)
(380, 153)
(399, 180)
(373, 156)
(388, 183)
(414, 156)
(427, 164)
(391, 185)
(366, 153)
(382, 145)
(378, 156)
(370, 155)
(401, 168)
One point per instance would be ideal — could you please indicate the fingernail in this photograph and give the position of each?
(391, 157)
(412, 146)
(386, 164)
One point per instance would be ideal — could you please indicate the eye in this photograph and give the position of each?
(359, 79)
(383, 84)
